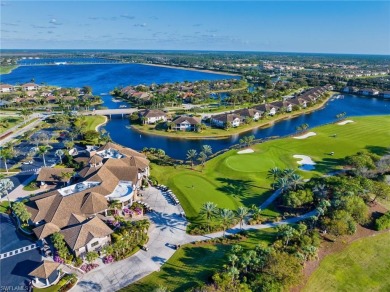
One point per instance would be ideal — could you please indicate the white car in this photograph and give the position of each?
(28, 162)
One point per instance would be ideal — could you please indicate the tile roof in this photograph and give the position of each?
(45, 269)
(93, 203)
(152, 113)
(49, 174)
(190, 120)
(226, 117)
(45, 230)
(81, 234)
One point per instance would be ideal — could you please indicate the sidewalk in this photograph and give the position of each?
(167, 230)
(19, 193)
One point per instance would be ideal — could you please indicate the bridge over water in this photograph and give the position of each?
(110, 112)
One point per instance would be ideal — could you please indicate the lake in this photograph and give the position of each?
(177, 148)
(103, 78)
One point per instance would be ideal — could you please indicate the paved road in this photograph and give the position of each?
(168, 229)
(20, 131)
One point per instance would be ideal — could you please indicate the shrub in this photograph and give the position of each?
(78, 262)
(383, 222)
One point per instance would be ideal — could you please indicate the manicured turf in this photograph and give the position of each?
(93, 121)
(363, 266)
(231, 179)
(192, 264)
(10, 122)
(249, 162)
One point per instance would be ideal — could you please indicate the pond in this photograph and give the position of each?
(177, 148)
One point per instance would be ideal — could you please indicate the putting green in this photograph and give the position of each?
(252, 162)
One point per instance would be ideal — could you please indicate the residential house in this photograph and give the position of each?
(385, 94)
(113, 173)
(298, 102)
(152, 116)
(252, 113)
(349, 89)
(223, 120)
(30, 86)
(185, 123)
(368, 91)
(141, 95)
(4, 88)
(287, 106)
(53, 176)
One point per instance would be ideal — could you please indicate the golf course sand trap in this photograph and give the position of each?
(345, 122)
(305, 162)
(306, 135)
(245, 151)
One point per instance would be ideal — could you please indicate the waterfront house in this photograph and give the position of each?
(152, 116)
(298, 102)
(279, 105)
(141, 95)
(54, 176)
(114, 173)
(30, 86)
(252, 113)
(4, 88)
(368, 91)
(349, 89)
(385, 94)
(223, 120)
(185, 123)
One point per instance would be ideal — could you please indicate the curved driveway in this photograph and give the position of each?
(168, 228)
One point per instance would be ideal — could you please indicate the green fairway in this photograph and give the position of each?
(193, 264)
(8, 122)
(251, 162)
(94, 121)
(363, 266)
(231, 180)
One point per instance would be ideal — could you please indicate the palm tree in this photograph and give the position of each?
(282, 183)
(242, 213)
(320, 191)
(202, 158)
(288, 172)
(5, 186)
(42, 150)
(226, 216)
(275, 173)
(59, 153)
(191, 154)
(6, 153)
(160, 153)
(25, 113)
(209, 211)
(206, 149)
(66, 176)
(296, 181)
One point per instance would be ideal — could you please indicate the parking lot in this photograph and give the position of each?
(18, 256)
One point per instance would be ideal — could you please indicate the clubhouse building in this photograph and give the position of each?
(112, 173)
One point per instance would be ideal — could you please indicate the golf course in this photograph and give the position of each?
(233, 179)
(366, 261)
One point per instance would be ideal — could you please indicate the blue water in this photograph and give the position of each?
(103, 78)
(67, 60)
(177, 148)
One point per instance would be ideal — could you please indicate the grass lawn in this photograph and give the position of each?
(233, 179)
(363, 266)
(93, 121)
(9, 122)
(4, 206)
(7, 69)
(193, 264)
(32, 186)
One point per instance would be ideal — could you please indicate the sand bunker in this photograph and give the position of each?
(344, 122)
(305, 162)
(245, 151)
(306, 135)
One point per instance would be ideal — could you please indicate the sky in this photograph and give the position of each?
(291, 26)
